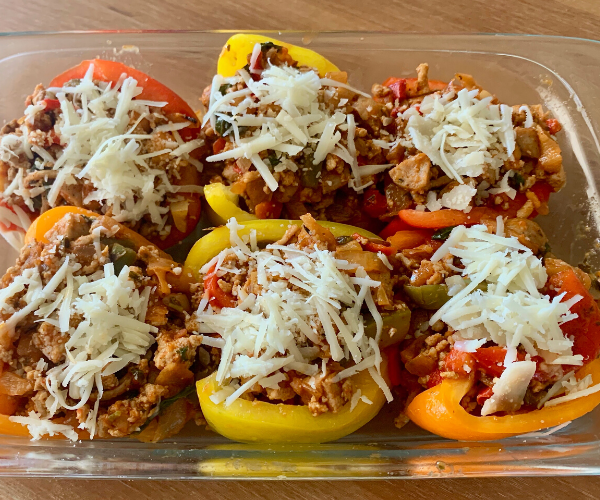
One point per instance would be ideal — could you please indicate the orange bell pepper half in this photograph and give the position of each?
(152, 90)
(438, 410)
(161, 267)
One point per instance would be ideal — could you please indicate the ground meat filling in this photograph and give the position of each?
(318, 387)
(31, 146)
(132, 396)
(536, 159)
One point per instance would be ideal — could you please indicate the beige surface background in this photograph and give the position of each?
(577, 18)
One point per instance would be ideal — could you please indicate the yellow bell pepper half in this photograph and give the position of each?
(224, 204)
(438, 410)
(234, 55)
(267, 231)
(258, 421)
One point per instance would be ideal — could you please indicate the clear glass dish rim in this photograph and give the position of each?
(502, 469)
(284, 32)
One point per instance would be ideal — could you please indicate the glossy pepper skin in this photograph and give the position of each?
(438, 410)
(279, 423)
(262, 422)
(169, 282)
(234, 55)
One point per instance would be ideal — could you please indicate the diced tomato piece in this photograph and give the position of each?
(459, 362)
(484, 394)
(491, 360)
(435, 378)
(374, 203)
(399, 89)
(394, 365)
(268, 210)
(371, 246)
(216, 296)
(541, 189)
(434, 85)
(554, 126)
(585, 329)
(219, 145)
(51, 104)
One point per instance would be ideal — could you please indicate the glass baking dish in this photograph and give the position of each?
(518, 69)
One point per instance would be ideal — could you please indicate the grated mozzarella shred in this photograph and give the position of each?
(273, 331)
(100, 147)
(511, 311)
(462, 133)
(302, 123)
(109, 333)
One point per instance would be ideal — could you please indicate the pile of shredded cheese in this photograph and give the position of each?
(464, 135)
(306, 299)
(103, 315)
(302, 123)
(99, 146)
(511, 311)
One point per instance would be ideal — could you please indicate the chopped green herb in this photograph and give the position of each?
(342, 240)
(134, 276)
(188, 391)
(264, 47)
(222, 127)
(517, 180)
(65, 243)
(442, 234)
(547, 248)
(138, 375)
(182, 351)
(273, 159)
(223, 88)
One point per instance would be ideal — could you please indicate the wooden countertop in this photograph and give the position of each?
(576, 18)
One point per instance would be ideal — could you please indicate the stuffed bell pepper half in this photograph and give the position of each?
(300, 312)
(504, 336)
(93, 340)
(107, 138)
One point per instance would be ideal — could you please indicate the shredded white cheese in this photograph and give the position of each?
(511, 311)
(39, 427)
(303, 121)
(267, 334)
(100, 146)
(461, 133)
(103, 314)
